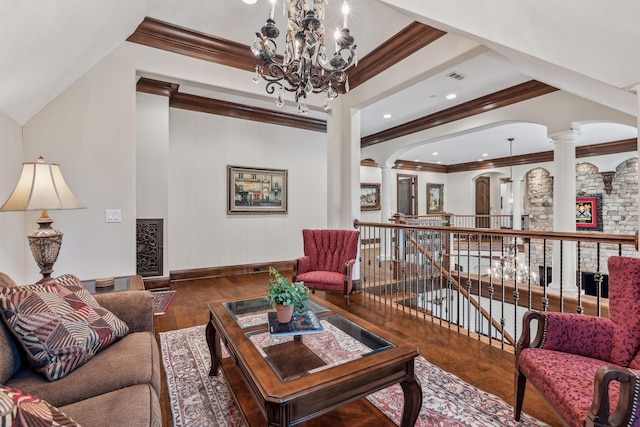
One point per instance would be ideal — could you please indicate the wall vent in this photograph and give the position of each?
(456, 76)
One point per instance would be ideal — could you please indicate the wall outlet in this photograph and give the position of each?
(112, 215)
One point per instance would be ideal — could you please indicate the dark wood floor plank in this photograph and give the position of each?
(487, 368)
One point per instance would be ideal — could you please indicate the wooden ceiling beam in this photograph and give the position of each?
(231, 109)
(162, 35)
(408, 41)
(502, 98)
(225, 108)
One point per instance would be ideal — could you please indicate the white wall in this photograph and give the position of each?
(152, 163)
(90, 131)
(201, 232)
(12, 225)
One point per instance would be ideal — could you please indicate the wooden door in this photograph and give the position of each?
(407, 194)
(483, 201)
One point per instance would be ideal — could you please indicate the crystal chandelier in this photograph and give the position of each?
(508, 267)
(306, 67)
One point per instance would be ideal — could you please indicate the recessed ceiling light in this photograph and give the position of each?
(439, 162)
(249, 1)
(481, 160)
(435, 153)
(387, 116)
(416, 160)
(451, 96)
(484, 154)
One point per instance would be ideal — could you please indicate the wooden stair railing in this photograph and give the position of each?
(447, 274)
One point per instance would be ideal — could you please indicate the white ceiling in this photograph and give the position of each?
(46, 46)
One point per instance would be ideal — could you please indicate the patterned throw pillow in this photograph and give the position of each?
(18, 408)
(59, 324)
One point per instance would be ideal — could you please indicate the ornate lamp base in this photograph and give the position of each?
(45, 245)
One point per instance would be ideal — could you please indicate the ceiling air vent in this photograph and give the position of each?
(455, 75)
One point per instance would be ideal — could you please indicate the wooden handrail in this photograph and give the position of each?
(617, 239)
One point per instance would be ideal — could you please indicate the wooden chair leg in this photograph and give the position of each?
(520, 382)
(346, 301)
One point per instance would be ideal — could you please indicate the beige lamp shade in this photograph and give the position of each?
(41, 187)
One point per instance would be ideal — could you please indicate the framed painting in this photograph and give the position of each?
(589, 212)
(256, 190)
(435, 198)
(369, 197)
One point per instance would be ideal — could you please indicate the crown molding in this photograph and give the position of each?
(369, 163)
(409, 165)
(615, 147)
(156, 87)
(239, 111)
(162, 35)
(409, 40)
(502, 98)
(622, 146)
(225, 108)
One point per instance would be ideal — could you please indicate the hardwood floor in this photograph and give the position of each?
(487, 368)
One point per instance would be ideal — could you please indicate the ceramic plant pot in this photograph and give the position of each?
(284, 313)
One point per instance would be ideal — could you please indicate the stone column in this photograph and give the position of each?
(564, 207)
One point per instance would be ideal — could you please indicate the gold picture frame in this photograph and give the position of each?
(435, 198)
(256, 190)
(369, 197)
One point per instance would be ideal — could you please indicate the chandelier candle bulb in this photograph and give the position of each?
(272, 7)
(345, 13)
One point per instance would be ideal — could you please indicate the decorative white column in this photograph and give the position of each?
(636, 90)
(516, 186)
(564, 208)
(343, 165)
(343, 168)
(385, 193)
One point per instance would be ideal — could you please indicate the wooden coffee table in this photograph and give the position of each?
(294, 379)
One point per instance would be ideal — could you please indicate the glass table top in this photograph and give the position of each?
(254, 312)
(341, 341)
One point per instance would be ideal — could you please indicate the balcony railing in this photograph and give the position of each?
(480, 281)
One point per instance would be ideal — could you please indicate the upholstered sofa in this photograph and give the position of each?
(117, 386)
(587, 367)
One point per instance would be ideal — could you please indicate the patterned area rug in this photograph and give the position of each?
(200, 400)
(162, 301)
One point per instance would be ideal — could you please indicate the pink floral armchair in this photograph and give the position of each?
(327, 264)
(587, 367)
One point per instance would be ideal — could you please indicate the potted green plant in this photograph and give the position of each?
(286, 296)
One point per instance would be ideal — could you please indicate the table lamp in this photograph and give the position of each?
(42, 187)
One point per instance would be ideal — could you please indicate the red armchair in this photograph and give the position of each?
(587, 367)
(327, 264)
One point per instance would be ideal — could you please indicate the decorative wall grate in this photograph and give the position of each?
(149, 247)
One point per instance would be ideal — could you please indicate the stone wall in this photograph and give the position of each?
(619, 211)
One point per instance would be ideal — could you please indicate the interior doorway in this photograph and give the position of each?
(483, 201)
(407, 194)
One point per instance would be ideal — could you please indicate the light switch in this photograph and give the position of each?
(113, 215)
